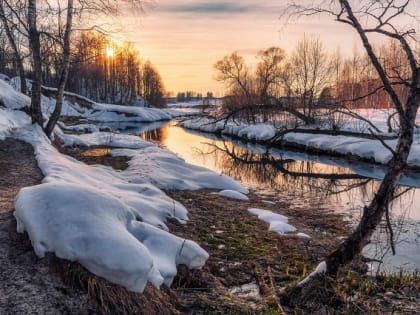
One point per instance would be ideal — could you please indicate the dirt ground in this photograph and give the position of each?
(27, 284)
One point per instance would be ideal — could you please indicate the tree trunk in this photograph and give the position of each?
(373, 213)
(64, 72)
(34, 44)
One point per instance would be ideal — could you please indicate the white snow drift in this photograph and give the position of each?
(233, 194)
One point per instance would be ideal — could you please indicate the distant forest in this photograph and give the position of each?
(100, 69)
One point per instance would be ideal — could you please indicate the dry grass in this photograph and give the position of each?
(114, 299)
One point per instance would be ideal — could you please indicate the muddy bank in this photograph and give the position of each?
(28, 285)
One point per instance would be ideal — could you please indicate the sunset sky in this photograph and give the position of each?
(185, 38)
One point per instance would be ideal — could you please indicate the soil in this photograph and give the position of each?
(28, 284)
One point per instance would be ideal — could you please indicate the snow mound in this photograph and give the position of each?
(100, 232)
(12, 98)
(233, 194)
(278, 223)
(91, 214)
(166, 170)
(11, 119)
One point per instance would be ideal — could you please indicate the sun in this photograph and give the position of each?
(109, 52)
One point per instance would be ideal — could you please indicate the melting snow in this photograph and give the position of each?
(233, 194)
(278, 223)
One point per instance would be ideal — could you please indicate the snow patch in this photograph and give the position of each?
(321, 268)
(11, 98)
(233, 194)
(168, 171)
(278, 223)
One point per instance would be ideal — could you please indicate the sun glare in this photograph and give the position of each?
(109, 52)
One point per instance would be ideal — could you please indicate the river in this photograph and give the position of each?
(345, 186)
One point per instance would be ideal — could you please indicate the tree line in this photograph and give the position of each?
(107, 72)
(309, 80)
(39, 42)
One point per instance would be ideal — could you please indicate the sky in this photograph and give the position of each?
(185, 38)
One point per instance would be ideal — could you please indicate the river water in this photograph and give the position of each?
(345, 186)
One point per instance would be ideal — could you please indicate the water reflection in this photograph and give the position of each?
(342, 185)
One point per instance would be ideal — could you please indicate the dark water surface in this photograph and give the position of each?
(347, 186)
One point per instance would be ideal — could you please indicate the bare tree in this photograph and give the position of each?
(311, 72)
(64, 71)
(8, 22)
(379, 17)
(233, 70)
(269, 71)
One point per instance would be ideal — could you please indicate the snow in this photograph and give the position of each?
(101, 227)
(10, 120)
(4, 77)
(166, 170)
(233, 194)
(321, 268)
(11, 98)
(278, 223)
(370, 149)
(108, 139)
(109, 113)
(259, 132)
(303, 235)
(79, 127)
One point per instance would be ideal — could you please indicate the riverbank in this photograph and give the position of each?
(334, 143)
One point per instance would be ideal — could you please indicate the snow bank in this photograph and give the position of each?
(168, 171)
(343, 145)
(109, 113)
(369, 149)
(278, 223)
(11, 119)
(233, 194)
(92, 214)
(12, 98)
(258, 132)
(108, 139)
